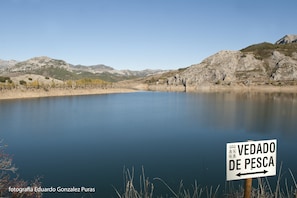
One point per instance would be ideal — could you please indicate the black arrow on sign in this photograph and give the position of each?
(251, 173)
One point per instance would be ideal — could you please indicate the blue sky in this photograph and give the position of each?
(139, 34)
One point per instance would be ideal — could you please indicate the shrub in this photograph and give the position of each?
(3, 79)
(22, 82)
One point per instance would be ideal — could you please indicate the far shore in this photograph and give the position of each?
(39, 93)
(253, 88)
(223, 88)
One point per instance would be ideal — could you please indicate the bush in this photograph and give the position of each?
(3, 79)
(22, 82)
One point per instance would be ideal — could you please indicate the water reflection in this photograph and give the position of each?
(252, 112)
(173, 135)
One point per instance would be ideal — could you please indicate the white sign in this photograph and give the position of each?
(250, 159)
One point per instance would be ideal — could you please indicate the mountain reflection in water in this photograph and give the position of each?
(254, 112)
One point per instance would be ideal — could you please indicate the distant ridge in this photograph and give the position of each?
(289, 38)
(258, 64)
(61, 70)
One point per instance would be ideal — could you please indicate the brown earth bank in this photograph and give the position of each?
(37, 93)
(222, 88)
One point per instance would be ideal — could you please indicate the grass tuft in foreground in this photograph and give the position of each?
(145, 188)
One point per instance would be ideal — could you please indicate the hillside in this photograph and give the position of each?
(61, 70)
(267, 64)
(259, 64)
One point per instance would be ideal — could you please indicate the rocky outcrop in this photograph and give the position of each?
(236, 67)
(262, 64)
(223, 67)
(284, 68)
(290, 38)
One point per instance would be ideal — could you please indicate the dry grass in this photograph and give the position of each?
(263, 188)
(146, 189)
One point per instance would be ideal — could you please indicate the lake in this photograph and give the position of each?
(87, 141)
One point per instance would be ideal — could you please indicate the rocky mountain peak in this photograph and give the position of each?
(289, 38)
(39, 63)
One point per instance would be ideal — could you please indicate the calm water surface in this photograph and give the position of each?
(88, 140)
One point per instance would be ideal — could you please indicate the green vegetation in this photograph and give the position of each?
(55, 72)
(3, 79)
(264, 50)
(22, 82)
(6, 83)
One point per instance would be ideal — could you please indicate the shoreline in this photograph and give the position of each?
(58, 92)
(40, 93)
(222, 88)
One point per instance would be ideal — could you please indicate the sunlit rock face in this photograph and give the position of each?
(290, 38)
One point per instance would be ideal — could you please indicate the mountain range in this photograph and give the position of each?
(258, 64)
(62, 70)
